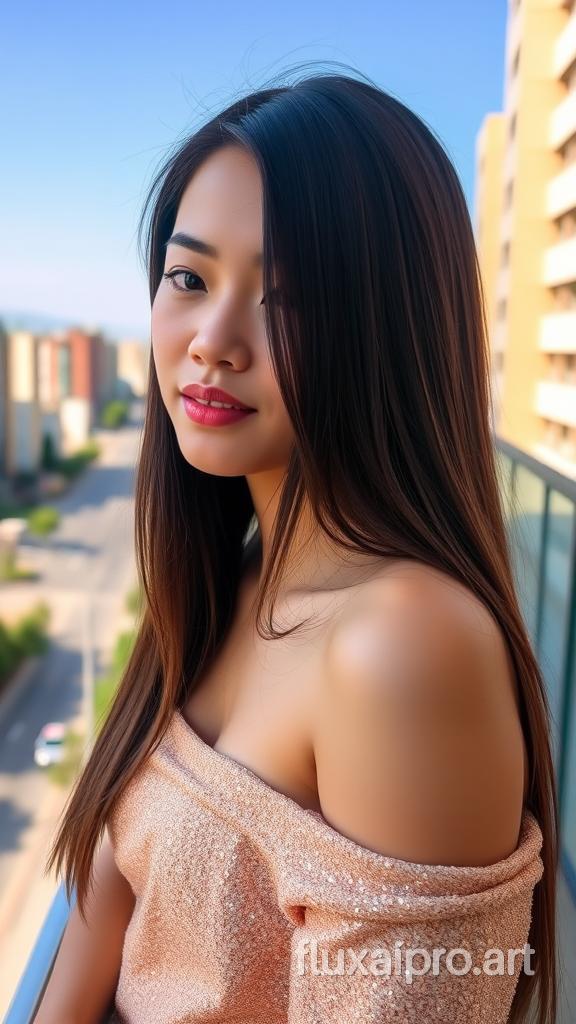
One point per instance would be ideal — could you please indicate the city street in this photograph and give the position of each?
(87, 564)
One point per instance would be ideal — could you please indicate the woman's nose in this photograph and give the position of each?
(217, 346)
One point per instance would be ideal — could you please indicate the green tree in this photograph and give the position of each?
(43, 520)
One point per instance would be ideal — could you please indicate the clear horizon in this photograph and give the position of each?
(99, 94)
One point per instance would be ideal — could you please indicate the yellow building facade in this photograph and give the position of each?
(525, 225)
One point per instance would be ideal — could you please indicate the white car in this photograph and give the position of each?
(49, 744)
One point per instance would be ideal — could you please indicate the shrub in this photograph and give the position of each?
(43, 520)
(9, 568)
(104, 691)
(134, 600)
(9, 652)
(27, 637)
(49, 459)
(106, 685)
(13, 508)
(73, 464)
(30, 632)
(114, 413)
(64, 772)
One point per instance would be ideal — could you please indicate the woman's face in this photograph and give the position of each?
(208, 321)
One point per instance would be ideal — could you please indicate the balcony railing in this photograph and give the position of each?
(33, 982)
(540, 506)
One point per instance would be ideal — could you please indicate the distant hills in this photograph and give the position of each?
(40, 323)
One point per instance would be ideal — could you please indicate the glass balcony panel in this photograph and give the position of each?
(525, 528)
(555, 605)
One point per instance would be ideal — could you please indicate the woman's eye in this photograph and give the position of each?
(173, 274)
(190, 284)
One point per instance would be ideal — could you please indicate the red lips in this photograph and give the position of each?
(212, 394)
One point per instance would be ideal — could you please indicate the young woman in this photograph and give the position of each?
(346, 811)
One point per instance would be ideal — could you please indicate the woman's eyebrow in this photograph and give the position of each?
(189, 242)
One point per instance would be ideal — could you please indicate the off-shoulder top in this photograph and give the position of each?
(250, 908)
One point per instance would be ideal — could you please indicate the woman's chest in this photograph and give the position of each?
(259, 699)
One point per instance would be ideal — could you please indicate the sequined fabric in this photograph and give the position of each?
(251, 909)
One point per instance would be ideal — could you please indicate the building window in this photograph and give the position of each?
(566, 446)
(565, 296)
(554, 368)
(561, 368)
(516, 62)
(551, 433)
(566, 225)
(568, 151)
(570, 78)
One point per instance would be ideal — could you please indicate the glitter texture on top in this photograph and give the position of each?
(250, 908)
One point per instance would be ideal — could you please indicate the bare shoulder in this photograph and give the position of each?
(418, 744)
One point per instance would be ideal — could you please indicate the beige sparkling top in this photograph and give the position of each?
(251, 909)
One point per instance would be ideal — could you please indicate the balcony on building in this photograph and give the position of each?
(559, 263)
(558, 332)
(556, 401)
(565, 49)
(563, 121)
(561, 193)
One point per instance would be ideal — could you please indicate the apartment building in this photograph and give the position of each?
(133, 367)
(50, 385)
(23, 438)
(77, 375)
(525, 225)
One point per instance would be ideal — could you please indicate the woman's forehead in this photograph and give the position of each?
(225, 191)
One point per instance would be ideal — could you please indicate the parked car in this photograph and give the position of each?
(49, 744)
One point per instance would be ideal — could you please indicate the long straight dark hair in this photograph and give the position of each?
(379, 346)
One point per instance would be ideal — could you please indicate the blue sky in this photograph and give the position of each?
(93, 95)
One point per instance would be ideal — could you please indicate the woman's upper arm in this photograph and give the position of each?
(418, 753)
(418, 744)
(87, 966)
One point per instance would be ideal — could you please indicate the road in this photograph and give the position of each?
(89, 559)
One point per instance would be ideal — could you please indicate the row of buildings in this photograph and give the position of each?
(525, 224)
(55, 385)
